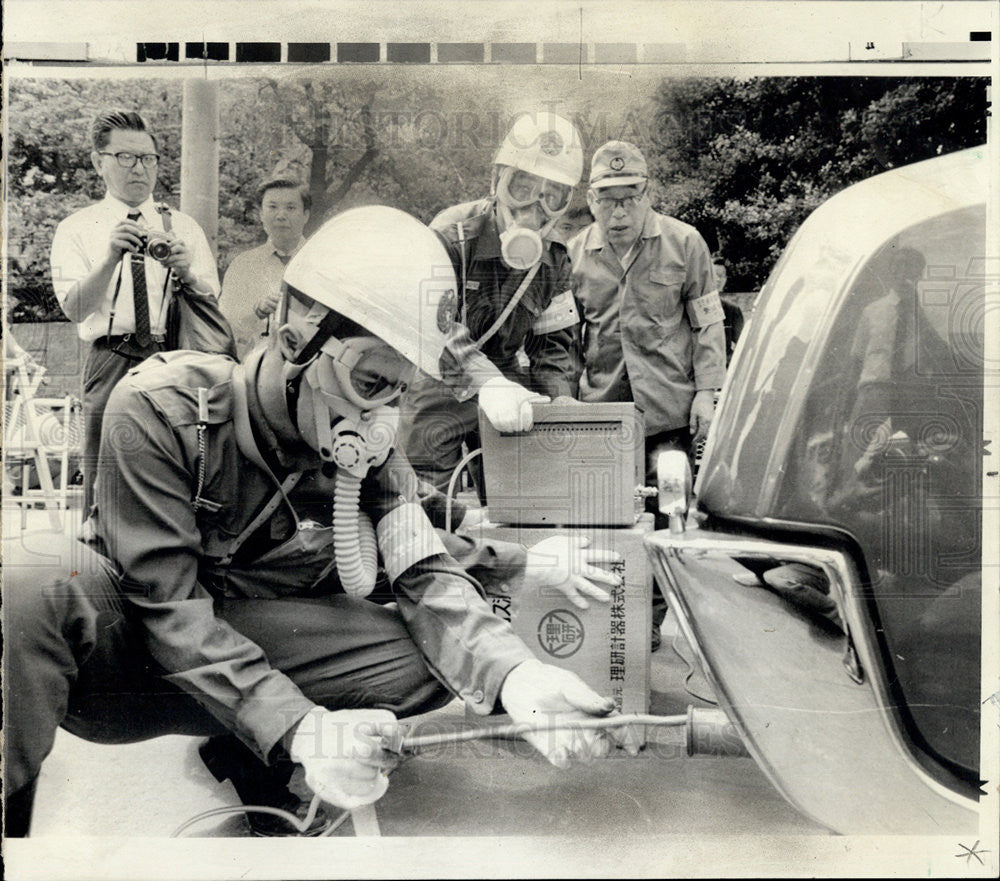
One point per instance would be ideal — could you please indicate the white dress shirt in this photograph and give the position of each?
(81, 241)
(251, 276)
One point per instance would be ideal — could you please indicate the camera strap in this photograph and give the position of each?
(163, 209)
(114, 297)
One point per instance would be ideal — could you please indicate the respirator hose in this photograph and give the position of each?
(354, 541)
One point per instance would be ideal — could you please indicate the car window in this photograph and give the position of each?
(801, 289)
(889, 450)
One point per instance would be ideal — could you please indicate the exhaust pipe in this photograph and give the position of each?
(710, 733)
(673, 482)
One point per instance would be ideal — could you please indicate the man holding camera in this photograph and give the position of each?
(112, 265)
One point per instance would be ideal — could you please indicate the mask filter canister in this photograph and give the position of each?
(520, 247)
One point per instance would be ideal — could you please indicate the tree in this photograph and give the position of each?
(746, 161)
(380, 139)
(742, 160)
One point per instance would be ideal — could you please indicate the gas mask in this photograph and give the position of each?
(349, 386)
(522, 247)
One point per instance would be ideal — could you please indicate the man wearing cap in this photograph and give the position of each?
(652, 319)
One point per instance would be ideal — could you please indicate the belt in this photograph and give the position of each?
(125, 346)
(129, 338)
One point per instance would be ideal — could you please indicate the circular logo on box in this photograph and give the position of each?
(560, 633)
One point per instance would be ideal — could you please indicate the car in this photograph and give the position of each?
(829, 573)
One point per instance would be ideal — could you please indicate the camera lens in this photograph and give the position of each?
(159, 250)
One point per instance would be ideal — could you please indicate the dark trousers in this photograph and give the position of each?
(678, 439)
(73, 658)
(432, 428)
(107, 362)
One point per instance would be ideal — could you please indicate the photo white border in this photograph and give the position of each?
(774, 38)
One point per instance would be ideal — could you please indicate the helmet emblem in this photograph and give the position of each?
(446, 311)
(551, 143)
(617, 164)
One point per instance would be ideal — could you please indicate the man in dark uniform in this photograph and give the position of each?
(515, 303)
(223, 592)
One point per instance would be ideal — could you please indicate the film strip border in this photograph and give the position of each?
(977, 48)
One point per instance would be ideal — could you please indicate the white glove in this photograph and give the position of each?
(535, 693)
(342, 756)
(563, 563)
(508, 405)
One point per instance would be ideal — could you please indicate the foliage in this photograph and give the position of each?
(746, 161)
(742, 160)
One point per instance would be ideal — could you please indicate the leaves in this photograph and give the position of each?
(742, 160)
(746, 161)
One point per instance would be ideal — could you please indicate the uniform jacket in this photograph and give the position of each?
(172, 555)
(640, 341)
(544, 323)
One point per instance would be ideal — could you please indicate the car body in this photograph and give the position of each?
(830, 577)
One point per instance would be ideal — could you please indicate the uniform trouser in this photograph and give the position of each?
(74, 658)
(432, 428)
(677, 439)
(106, 364)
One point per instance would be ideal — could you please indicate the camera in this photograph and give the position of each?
(155, 244)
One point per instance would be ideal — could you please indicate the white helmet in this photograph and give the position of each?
(545, 145)
(386, 271)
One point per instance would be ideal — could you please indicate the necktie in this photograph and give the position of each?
(140, 296)
(284, 258)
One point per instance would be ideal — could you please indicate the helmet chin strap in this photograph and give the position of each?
(292, 371)
(324, 432)
(291, 380)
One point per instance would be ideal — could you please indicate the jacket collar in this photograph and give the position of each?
(488, 245)
(276, 445)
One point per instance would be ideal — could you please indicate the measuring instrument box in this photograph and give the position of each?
(578, 466)
(607, 644)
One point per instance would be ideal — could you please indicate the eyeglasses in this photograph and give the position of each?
(608, 203)
(128, 160)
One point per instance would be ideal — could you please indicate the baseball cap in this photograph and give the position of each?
(617, 164)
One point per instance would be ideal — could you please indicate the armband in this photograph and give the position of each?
(405, 538)
(560, 314)
(706, 310)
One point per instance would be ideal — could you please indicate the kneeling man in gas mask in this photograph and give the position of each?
(244, 512)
